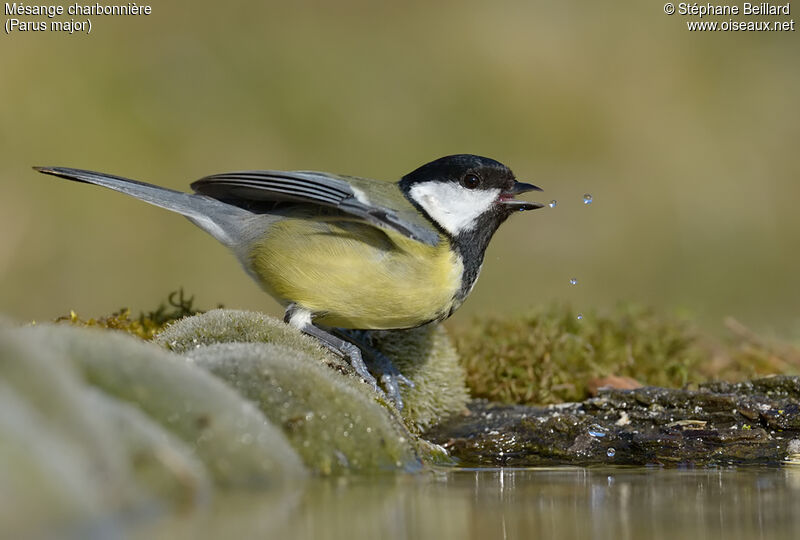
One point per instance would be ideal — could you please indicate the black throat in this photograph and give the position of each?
(470, 245)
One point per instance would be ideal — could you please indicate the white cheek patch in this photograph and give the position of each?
(452, 206)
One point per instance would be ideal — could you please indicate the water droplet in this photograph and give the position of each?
(573, 281)
(580, 316)
(552, 204)
(611, 452)
(597, 431)
(587, 198)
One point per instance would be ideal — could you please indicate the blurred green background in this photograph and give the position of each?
(689, 143)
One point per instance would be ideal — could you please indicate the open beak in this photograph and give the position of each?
(507, 197)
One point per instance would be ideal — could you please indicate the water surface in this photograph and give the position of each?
(619, 503)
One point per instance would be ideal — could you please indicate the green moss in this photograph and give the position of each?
(332, 420)
(235, 326)
(425, 355)
(428, 358)
(147, 324)
(550, 356)
(546, 356)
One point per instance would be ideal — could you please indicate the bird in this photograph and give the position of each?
(345, 255)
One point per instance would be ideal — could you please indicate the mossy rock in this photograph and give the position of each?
(57, 463)
(333, 423)
(227, 433)
(160, 460)
(237, 326)
(74, 459)
(424, 355)
(428, 358)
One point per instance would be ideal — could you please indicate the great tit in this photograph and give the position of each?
(341, 252)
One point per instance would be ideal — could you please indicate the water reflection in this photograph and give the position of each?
(620, 503)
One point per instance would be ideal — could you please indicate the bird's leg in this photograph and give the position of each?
(301, 319)
(382, 365)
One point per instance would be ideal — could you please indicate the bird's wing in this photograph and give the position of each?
(329, 190)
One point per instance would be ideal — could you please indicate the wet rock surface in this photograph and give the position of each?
(716, 424)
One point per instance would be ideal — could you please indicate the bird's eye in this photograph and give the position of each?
(471, 181)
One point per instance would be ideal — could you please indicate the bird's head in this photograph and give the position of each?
(466, 194)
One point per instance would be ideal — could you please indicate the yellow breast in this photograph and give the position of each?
(354, 275)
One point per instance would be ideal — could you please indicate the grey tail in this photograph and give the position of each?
(223, 221)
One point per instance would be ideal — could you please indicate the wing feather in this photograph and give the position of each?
(318, 188)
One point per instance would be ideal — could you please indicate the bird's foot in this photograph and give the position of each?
(353, 355)
(390, 377)
(351, 347)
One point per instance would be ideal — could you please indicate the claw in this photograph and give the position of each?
(380, 364)
(405, 381)
(353, 354)
(391, 382)
(390, 376)
(392, 390)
